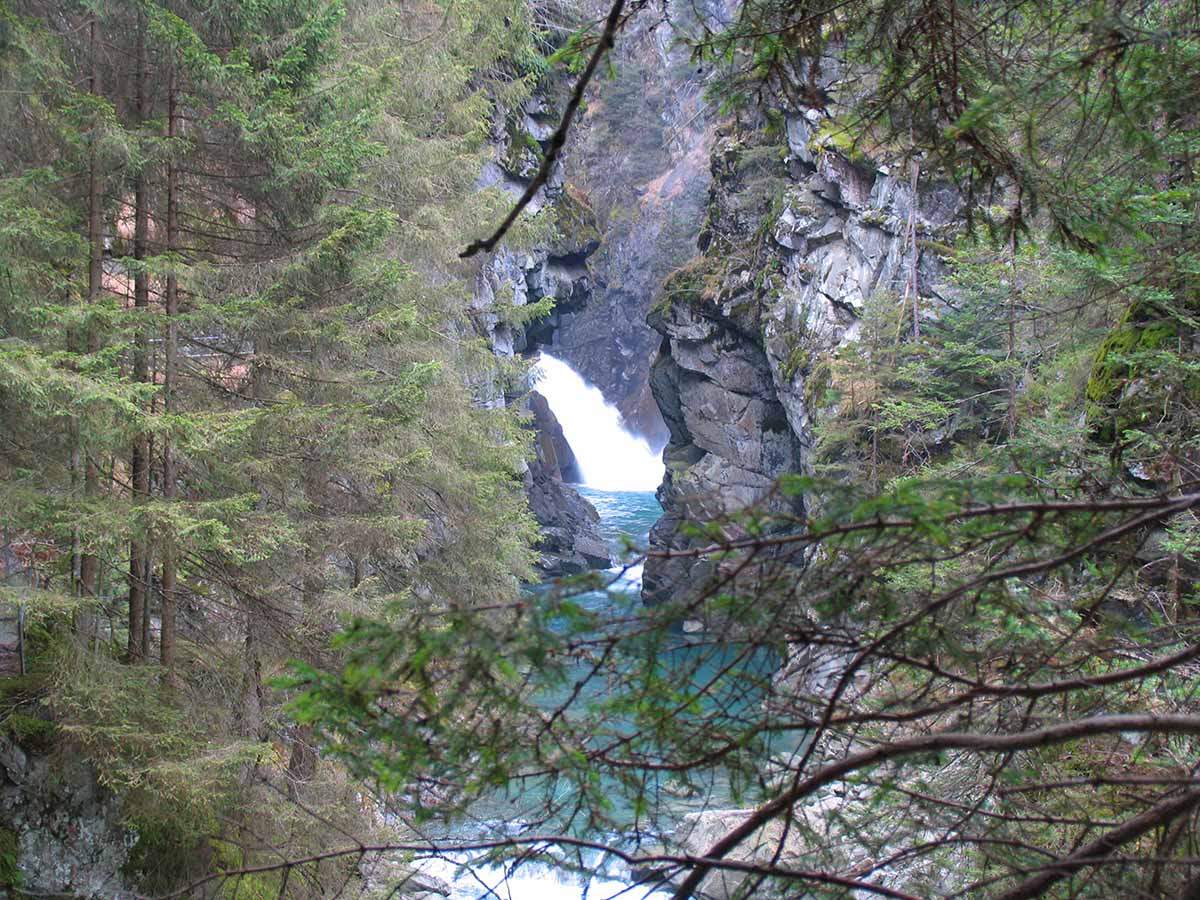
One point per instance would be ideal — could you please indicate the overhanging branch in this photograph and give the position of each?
(1061, 733)
(559, 139)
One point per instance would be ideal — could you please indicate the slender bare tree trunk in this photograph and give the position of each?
(1013, 383)
(170, 474)
(251, 706)
(89, 564)
(302, 762)
(912, 287)
(140, 463)
(76, 531)
(148, 580)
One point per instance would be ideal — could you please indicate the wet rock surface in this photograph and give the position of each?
(729, 437)
(552, 446)
(571, 541)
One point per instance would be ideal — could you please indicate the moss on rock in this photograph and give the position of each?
(577, 223)
(1116, 365)
(696, 283)
(10, 873)
(834, 136)
(31, 732)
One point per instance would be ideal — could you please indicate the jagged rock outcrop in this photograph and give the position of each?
(551, 443)
(729, 433)
(800, 231)
(571, 542)
(509, 283)
(64, 828)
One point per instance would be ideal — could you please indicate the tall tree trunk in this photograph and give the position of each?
(1010, 419)
(170, 475)
(140, 463)
(89, 563)
(302, 762)
(148, 580)
(250, 708)
(911, 288)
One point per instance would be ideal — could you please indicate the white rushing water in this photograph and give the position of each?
(612, 460)
(534, 882)
(609, 457)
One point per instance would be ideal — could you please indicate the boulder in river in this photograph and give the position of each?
(571, 541)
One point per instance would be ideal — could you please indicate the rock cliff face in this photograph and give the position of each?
(800, 231)
(511, 281)
(62, 826)
(551, 444)
(640, 154)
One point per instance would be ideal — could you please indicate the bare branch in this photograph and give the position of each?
(948, 740)
(559, 139)
(1098, 850)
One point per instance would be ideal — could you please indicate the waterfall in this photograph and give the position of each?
(609, 457)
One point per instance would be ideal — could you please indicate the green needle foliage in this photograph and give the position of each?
(228, 257)
(242, 410)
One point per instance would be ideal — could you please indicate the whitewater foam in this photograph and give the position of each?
(610, 458)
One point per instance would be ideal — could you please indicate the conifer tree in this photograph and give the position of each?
(211, 296)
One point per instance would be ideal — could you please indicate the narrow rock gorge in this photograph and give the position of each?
(640, 157)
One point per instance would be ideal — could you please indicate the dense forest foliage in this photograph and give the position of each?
(269, 514)
(237, 389)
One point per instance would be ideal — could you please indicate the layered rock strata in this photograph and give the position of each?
(800, 231)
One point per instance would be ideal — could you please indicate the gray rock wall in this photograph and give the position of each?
(800, 231)
(797, 236)
(640, 154)
(67, 828)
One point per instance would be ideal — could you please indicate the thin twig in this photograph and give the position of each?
(559, 140)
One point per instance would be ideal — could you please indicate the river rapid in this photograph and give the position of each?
(620, 472)
(626, 516)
